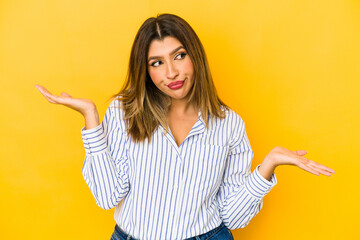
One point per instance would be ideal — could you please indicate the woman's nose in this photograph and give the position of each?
(172, 71)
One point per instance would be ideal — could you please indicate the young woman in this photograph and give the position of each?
(170, 148)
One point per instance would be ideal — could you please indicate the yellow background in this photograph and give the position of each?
(290, 69)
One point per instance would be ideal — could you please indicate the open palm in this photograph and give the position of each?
(81, 105)
(283, 156)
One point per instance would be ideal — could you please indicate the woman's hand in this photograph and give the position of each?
(84, 106)
(282, 156)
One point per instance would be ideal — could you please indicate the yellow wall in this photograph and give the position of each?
(291, 69)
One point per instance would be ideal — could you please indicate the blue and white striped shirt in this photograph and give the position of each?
(170, 191)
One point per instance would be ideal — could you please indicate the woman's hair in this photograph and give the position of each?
(145, 106)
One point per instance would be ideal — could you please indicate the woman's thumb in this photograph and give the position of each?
(64, 94)
(301, 152)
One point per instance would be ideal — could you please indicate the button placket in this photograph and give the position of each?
(178, 176)
(177, 187)
(178, 206)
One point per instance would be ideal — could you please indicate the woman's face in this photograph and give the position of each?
(170, 67)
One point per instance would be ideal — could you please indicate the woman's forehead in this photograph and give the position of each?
(165, 46)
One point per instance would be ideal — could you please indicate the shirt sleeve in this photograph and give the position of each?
(241, 192)
(105, 168)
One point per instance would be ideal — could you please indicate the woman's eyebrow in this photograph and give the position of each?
(172, 52)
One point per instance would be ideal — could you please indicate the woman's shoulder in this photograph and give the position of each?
(235, 125)
(230, 126)
(232, 117)
(116, 109)
(116, 103)
(231, 120)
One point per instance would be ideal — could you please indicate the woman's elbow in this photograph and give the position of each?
(106, 205)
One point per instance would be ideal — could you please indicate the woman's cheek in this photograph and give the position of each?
(155, 75)
(189, 66)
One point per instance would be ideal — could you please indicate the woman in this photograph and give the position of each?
(177, 155)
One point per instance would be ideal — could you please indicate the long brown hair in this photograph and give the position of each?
(145, 106)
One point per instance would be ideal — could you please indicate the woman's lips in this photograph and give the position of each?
(176, 85)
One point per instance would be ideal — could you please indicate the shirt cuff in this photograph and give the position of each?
(258, 186)
(93, 139)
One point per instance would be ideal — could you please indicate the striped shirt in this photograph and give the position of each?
(171, 191)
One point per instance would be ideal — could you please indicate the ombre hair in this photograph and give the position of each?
(145, 106)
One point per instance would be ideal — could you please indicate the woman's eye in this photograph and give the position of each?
(181, 56)
(155, 64)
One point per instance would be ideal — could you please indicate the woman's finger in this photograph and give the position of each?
(48, 97)
(300, 152)
(54, 98)
(315, 167)
(320, 166)
(51, 101)
(45, 93)
(321, 171)
(283, 156)
(308, 165)
(308, 169)
(42, 89)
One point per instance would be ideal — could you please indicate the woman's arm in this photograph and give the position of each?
(105, 167)
(241, 192)
(282, 156)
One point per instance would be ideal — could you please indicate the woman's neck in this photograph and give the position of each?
(181, 108)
